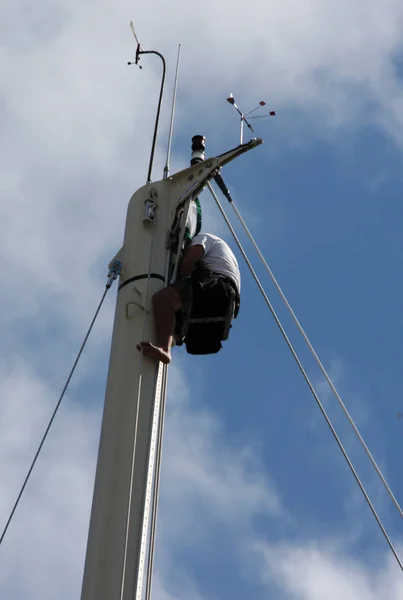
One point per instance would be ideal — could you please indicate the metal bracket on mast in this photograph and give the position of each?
(151, 206)
(114, 271)
(202, 172)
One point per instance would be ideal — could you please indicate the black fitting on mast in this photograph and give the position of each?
(198, 149)
(221, 184)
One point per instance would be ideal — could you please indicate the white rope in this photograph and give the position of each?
(322, 368)
(160, 435)
(154, 508)
(309, 383)
(133, 456)
(157, 477)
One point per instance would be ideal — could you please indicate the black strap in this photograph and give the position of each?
(143, 276)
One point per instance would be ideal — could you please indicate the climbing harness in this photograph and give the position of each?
(210, 302)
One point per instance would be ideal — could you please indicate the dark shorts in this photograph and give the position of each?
(205, 293)
(183, 287)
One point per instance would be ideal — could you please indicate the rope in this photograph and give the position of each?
(160, 434)
(154, 509)
(308, 381)
(155, 500)
(108, 285)
(154, 506)
(136, 420)
(322, 368)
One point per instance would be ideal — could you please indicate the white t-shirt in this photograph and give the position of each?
(218, 257)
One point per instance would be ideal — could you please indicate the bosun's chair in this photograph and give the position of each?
(206, 318)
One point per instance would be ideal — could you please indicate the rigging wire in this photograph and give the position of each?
(113, 273)
(308, 381)
(318, 361)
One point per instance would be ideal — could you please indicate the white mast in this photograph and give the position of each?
(117, 539)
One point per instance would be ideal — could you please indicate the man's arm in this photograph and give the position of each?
(190, 257)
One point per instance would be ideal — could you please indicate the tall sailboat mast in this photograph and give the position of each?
(122, 501)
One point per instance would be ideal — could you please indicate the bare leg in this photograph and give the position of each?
(166, 302)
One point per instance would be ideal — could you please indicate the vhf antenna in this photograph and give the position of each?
(231, 100)
(166, 168)
(140, 51)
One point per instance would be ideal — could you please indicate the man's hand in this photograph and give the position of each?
(190, 257)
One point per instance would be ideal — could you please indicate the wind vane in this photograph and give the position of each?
(262, 103)
(138, 46)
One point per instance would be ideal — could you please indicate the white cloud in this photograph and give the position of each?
(43, 551)
(207, 482)
(77, 121)
(321, 572)
(225, 484)
(337, 60)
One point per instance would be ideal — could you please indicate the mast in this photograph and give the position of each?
(115, 557)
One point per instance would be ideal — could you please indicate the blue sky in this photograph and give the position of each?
(256, 498)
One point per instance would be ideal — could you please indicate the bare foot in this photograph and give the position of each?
(149, 349)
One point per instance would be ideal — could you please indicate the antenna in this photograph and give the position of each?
(140, 51)
(262, 103)
(166, 169)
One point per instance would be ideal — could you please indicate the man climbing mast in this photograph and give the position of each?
(208, 272)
